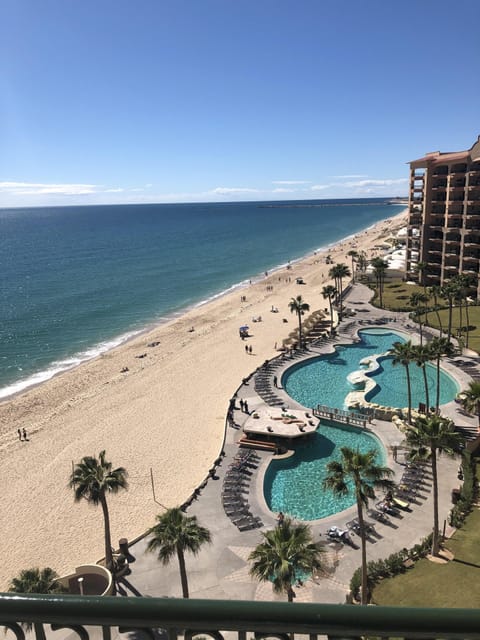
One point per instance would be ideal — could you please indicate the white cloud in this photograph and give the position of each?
(283, 190)
(226, 191)
(291, 181)
(353, 175)
(376, 183)
(321, 187)
(39, 188)
(118, 190)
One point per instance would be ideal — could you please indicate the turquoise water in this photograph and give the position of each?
(294, 485)
(323, 380)
(76, 281)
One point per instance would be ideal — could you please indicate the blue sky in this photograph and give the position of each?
(217, 100)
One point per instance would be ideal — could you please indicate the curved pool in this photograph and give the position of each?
(294, 485)
(323, 380)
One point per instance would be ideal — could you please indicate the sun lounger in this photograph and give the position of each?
(403, 504)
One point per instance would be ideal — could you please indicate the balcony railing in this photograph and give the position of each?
(173, 619)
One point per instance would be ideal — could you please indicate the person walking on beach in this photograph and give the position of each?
(245, 406)
(24, 434)
(250, 350)
(19, 434)
(241, 405)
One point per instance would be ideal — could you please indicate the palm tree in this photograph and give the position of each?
(338, 273)
(465, 282)
(402, 353)
(440, 347)
(174, 534)
(36, 580)
(422, 354)
(471, 400)
(285, 552)
(421, 269)
(435, 293)
(362, 261)
(330, 292)
(366, 475)
(416, 300)
(379, 267)
(429, 437)
(353, 255)
(92, 479)
(298, 306)
(449, 292)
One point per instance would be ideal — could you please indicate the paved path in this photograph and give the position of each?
(221, 571)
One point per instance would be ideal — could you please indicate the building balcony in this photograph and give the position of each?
(470, 257)
(458, 169)
(184, 619)
(440, 171)
(453, 240)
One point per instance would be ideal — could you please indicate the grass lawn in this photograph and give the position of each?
(427, 584)
(396, 297)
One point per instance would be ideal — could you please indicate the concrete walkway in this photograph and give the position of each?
(221, 570)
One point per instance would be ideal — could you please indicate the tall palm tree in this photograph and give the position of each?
(429, 437)
(338, 273)
(174, 534)
(449, 292)
(435, 293)
(92, 479)
(362, 470)
(285, 552)
(422, 354)
(417, 299)
(330, 292)
(379, 268)
(402, 353)
(471, 400)
(36, 580)
(298, 306)
(440, 347)
(465, 282)
(354, 256)
(421, 269)
(362, 261)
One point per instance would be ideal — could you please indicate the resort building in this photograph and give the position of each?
(444, 217)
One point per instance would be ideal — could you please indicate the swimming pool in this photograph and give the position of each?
(323, 380)
(294, 485)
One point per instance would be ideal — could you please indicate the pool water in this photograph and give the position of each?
(294, 485)
(323, 380)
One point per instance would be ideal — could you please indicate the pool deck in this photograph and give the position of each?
(221, 570)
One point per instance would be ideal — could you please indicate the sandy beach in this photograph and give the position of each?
(164, 417)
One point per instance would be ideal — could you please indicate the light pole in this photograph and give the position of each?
(80, 585)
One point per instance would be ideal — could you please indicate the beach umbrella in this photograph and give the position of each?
(244, 328)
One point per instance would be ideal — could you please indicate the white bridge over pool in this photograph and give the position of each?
(338, 415)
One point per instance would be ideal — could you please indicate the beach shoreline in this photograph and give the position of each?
(164, 414)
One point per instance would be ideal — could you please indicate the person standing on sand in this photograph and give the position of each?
(24, 434)
(246, 348)
(250, 350)
(19, 434)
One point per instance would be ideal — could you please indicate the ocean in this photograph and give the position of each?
(77, 281)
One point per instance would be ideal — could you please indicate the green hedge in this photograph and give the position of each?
(395, 564)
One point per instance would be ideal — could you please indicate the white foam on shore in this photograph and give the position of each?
(61, 366)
